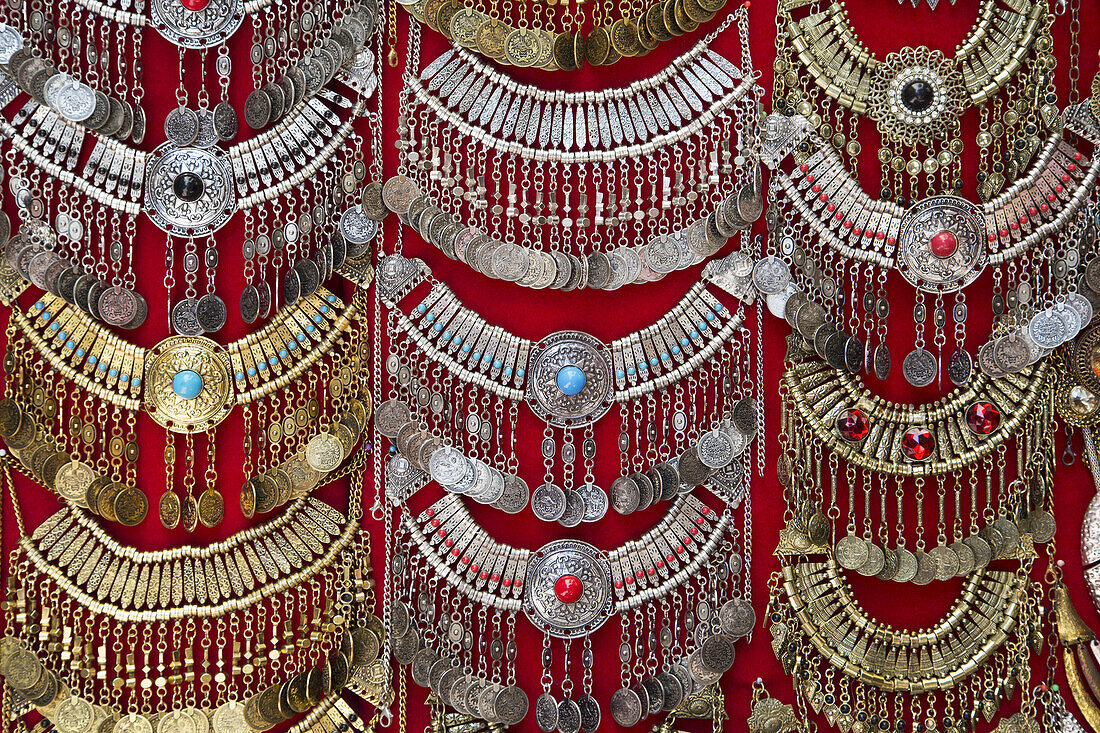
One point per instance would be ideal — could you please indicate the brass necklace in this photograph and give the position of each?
(915, 96)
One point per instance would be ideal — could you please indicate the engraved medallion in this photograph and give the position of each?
(568, 589)
(626, 707)
(188, 191)
(771, 275)
(210, 312)
(548, 502)
(920, 368)
(181, 126)
(569, 382)
(209, 26)
(941, 244)
(546, 712)
(851, 552)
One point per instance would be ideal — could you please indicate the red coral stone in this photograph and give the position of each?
(195, 5)
(918, 443)
(568, 588)
(853, 425)
(983, 418)
(943, 244)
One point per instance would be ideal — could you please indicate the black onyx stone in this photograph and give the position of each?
(917, 95)
(188, 186)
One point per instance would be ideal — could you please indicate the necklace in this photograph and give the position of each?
(567, 589)
(188, 386)
(534, 42)
(822, 220)
(916, 96)
(667, 137)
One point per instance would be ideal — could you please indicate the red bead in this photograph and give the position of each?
(810, 178)
(474, 567)
(194, 5)
(853, 425)
(484, 575)
(943, 244)
(465, 560)
(831, 207)
(639, 574)
(705, 510)
(507, 582)
(660, 563)
(803, 167)
(618, 584)
(435, 522)
(630, 580)
(456, 552)
(429, 512)
(670, 557)
(983, 418)
(495, 577)
(1077, 156)
(823, 198)
(815, 188)
(519, 583)
(918, 443)
(651, 571)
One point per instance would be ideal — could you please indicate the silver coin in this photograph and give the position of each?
(185, 319)
(226, 122)
(546, 712)
(889, 565)
(737, 618)
(181, 126)
(590, 713)
(405, 647)
(717, 653)
(715, 449)
(515, 496)
(1011, 353)
(1042, 525)
(907, 565)
(960, 366)
(211, 313)
(626, 707)
(511, 705)
(966, 558)
(625, 495)
(447, 465)
(876, 558)
(595, 502)
(771, 275)
(548, 502)
(1047, 330)
(569, 716)
(574, 510)
(926, 569)
(920, 367)
(422, 665)
(947, 562)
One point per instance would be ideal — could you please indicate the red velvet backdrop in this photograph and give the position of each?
(884, 25)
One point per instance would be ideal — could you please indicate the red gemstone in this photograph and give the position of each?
(918, 443)
(943, 244)
(568, 589)
(853, 425)
(983, 418)
(195, 5)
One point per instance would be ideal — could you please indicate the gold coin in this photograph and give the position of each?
(563, 51)
(298, 694)
(303, 477)
(431, 10)
(324, 452)
(645, 39)
(444, 14)
(266, 494)
(72, 481)
(252, 716)
(10, 417)
(546, 50)
(211, 508)
(74, 715)
(54, 462)
(91, 494)
(578, 51)
(655, 23)
(464, 25)
(712, 6)
(24, 434)
(522, 48)
(130, 506)
(284, 489)
(490, 38)
(695, 10)
(22, 669)
(668, 12)
(597, 46)
(168, 508)
(248, 498)
(347, 438)
(36, 456)
(623, 39)
(189, 513)
(682, 19)
(44, 692)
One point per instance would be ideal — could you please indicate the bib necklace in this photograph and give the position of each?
(187, 386)
(915, 96)
(496, 174)
(822, 220)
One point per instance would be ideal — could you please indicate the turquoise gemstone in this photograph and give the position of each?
(570, 380)
(187, 384)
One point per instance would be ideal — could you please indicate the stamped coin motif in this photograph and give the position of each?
(72, 481)
(190, 26)
(568, 589)
(187, 383)
(626, 707)
(548, 502)
(569, 383)
(356, 226)
(324, 452)
(941, 244)
(137, 723)
(188, 191)
(74, 715)
(920, 367)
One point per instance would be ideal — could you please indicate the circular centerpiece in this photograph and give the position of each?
(916, 96)
(568, 589)
(570, 379)
(188, 387)
(941, 244)
(188, 191)
(196, 23)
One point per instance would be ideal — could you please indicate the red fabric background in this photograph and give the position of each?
(884, 25)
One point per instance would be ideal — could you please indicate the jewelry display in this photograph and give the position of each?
(666, 159)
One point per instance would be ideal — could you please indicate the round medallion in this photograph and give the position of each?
(568, 589)
(188, 191)
(196, 23)
(188, 383)
(941, 244)
(570, 379)
(916, 96)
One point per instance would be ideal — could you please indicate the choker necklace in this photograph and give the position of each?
(186, 385)
(516, 206)
(916, 96)
(822, 221)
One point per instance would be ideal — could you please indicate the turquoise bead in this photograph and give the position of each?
(571, 380)
(187, 384)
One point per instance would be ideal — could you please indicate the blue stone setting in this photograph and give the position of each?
(570, 380)
(187, 384)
